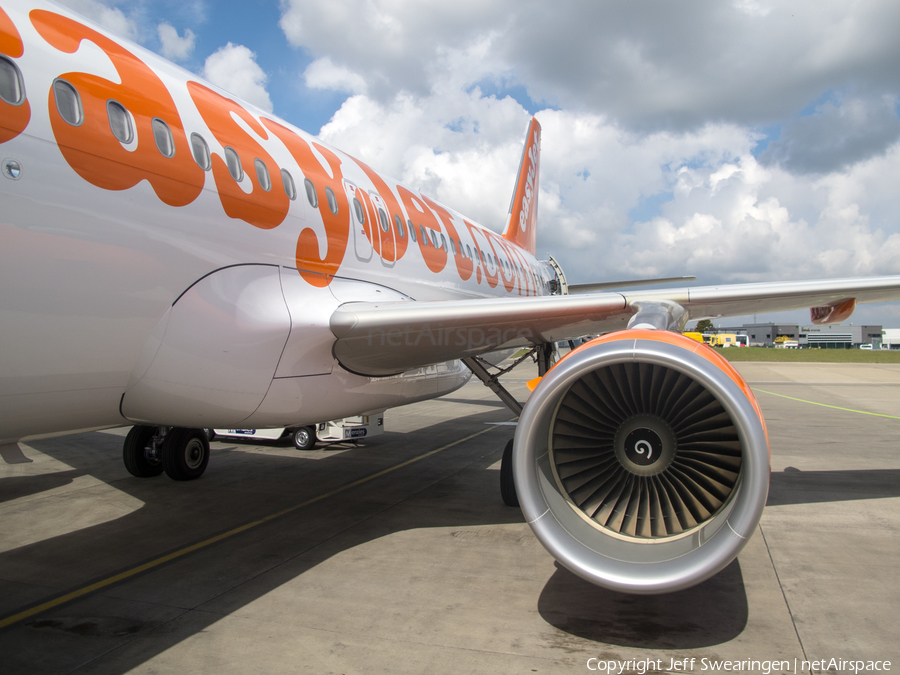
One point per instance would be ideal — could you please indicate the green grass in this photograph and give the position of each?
(810, 355)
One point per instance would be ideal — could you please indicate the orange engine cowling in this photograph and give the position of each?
(641, 462)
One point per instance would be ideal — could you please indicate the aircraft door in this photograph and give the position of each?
(381, 228)
(362, 227)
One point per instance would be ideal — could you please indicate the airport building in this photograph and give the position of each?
(824, 337)
(890, 338)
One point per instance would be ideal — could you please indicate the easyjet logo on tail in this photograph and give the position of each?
(521, 229)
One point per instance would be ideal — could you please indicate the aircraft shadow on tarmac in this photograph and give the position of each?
(703, 616)
(711, 613)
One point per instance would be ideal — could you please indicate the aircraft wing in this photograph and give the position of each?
(379, 339)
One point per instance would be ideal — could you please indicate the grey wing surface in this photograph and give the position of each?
(379, 339)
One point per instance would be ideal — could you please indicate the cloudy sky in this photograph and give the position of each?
(740, 140)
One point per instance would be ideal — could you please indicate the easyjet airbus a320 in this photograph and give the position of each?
(176, 259)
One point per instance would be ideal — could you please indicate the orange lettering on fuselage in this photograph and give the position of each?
(13, 118)
(261, 208)
(315, 270)
(419, 215)
(393, 212)
(492, 238)
(464, 265)
(479, 252)
(90, 148)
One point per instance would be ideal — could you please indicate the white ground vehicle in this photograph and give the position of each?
(304, 438)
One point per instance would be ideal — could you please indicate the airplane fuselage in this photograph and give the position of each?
(132, 190)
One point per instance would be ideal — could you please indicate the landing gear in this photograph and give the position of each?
(141, 454)
(507, 484)
(304, 438)
(182, 453)
(185, 453)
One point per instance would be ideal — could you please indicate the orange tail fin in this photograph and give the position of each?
(521, 228)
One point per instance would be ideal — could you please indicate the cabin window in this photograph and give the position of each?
(358, 209)
(163, 137)
(424, 235)
(311, 192)
(262, 174)
(434, 239)
(453, 246)
(469, 253)
(200, 151)
(12, 89)
(412, 229)
(233, 162)
(332, 201)
(401, 232)
(288, 181)
(120, 122)
(68, 103)
(385, 224)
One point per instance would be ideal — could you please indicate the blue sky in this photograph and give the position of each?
(738, 140)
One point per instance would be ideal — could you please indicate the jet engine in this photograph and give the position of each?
(641, 462)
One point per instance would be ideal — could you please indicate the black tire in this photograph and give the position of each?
(185, 454)
(137, 453)
(507, 484)
(304, 438)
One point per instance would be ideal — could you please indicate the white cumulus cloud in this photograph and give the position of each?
(323, 74)
(650, 165)
(173, 46)
(234, 68)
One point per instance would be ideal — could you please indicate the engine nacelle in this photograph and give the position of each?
(641, 462)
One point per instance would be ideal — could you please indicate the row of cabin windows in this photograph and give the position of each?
(438, 240)
(121, 123)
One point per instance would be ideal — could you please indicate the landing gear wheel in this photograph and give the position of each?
(304, 438)
(138, 454)
(185, 453)
(507, 484)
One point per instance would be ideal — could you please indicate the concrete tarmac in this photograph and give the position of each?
(398, 556)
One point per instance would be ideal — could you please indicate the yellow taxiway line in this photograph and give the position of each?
(121, 576)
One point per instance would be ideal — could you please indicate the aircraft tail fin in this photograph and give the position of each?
(521, 228)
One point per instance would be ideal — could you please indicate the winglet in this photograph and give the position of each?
(521, 228)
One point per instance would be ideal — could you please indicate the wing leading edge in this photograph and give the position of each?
(379, 339)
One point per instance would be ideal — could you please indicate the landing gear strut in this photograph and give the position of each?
(544, 355)
(182, 453)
